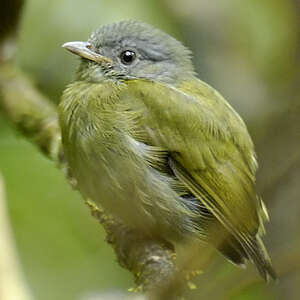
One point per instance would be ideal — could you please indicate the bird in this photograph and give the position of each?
(158, 148)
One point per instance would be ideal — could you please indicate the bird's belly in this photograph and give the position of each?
(113, 182)
(117, 182)
(125, 186)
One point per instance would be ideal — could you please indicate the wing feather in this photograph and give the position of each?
(210, 143)
(211, 154)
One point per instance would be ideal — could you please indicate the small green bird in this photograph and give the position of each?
(158, 148)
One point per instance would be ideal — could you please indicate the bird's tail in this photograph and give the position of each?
(258, 254)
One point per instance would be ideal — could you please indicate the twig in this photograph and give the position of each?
(150, 261)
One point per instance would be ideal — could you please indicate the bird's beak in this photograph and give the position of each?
(83, 50)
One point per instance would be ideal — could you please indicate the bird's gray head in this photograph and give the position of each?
(129, 50)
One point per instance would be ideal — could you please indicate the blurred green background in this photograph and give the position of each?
(248, 50)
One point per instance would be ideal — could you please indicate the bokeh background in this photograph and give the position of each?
(249, 51)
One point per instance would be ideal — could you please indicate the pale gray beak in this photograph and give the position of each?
(83, 50)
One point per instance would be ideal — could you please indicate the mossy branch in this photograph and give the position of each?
(150, 261)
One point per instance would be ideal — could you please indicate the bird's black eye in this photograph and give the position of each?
(127, 57)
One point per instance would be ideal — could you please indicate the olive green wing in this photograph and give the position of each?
(211, 153)
(209, 147)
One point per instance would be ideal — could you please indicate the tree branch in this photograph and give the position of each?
(150, 261)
